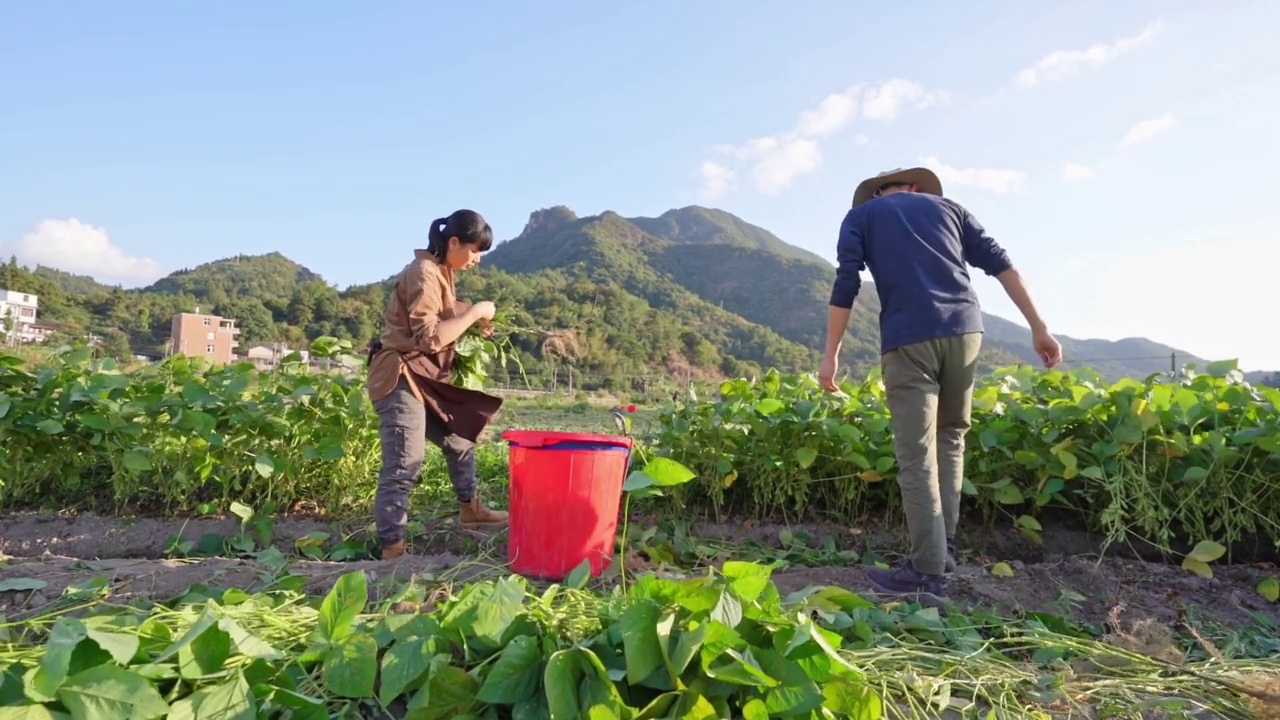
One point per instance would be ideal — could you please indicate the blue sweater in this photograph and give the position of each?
(916, 246)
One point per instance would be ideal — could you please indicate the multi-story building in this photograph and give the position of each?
(18, 318)
(204, 336)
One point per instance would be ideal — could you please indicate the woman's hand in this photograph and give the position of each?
(483, 311)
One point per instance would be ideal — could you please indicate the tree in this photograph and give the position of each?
(114, 344)
(252, 317)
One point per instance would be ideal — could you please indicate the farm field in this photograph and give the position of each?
(193, 542)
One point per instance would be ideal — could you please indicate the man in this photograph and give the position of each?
(916, 244)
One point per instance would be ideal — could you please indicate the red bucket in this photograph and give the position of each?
(565, 489)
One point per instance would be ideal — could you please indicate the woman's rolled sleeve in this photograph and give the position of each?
(424, 300)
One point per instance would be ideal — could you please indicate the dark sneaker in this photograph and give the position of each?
(902, 579)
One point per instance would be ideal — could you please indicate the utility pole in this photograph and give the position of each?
(1173, 363)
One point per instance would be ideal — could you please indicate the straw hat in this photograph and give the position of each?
(923, 177)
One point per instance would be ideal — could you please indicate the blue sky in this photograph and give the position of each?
(1118, 150)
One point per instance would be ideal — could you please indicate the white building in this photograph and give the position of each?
(266, 357)
(18, 318)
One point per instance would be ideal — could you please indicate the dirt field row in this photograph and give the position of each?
(61, 552)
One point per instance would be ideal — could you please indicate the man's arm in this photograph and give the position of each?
(980, 249)
(850, 261)
(984, 253)
(1017, 291)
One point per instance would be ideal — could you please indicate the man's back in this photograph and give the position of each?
(916, 246)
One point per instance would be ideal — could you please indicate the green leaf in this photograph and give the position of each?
(229, 700)
(578, 578)
(770, 406)
(22, 584)
(755, 709)
(561, 678)
(205, 654)
(246, 643)
(806, 456)
(1269, 589)
(51, 671)
(242, 511)
(534, 708)
(49, 427)
(728, 610)
(136, 460)
(31, 712)
(94, 421)
(740, 667)
(350, 666)
(640, 645)
(1029, 523)
(515, 675)
(453, 692)
(498, 611)
(638, 480)
(1198, 567)
(108, 692)
(851, 699)
(667, 472)
(1195, 474)
(1010, 495)
(340, 607)
(121, 646)
(1221, 368)
(747, 579)
(264, 466)
(402, 665)
(1207, 551)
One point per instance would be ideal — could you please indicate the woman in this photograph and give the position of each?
(409, 373)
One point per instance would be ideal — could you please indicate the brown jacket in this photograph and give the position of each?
(422, 296)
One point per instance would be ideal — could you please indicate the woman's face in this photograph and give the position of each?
(461, 256)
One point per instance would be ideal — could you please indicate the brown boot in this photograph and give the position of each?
(476, 514)
(394, 550)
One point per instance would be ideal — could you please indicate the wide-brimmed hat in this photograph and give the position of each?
(923, 177)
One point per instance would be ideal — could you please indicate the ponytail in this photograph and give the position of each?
(466, 225)
(437, 241)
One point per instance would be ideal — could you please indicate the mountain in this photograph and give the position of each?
(71, 283)
(694, 292)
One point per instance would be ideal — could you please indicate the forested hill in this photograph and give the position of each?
(695, 292)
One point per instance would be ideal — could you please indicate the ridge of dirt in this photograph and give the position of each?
(1054, 576)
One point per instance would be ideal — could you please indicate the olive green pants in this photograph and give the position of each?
(929, 386)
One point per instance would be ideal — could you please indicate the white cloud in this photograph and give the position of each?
(80, 248)
(861, 139)
(779, 161)
(717, 180)
(1065, 63)
(834, 112)
(883, 103)
(1071, 171)
(1147, 129)
(996, 180)
(775, 161)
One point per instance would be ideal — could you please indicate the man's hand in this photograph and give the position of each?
(1047, 347)
(827, 373)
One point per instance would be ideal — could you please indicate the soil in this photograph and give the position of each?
(1062, 575)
